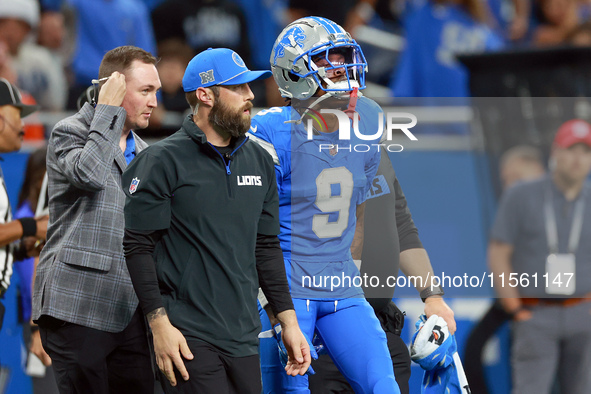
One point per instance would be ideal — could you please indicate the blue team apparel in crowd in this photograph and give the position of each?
(103, 25)
(262, 35)
(218, 66)
(435, 35)
(436, 351)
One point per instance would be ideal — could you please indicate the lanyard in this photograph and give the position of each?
(550, 221)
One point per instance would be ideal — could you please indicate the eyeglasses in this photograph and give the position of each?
(10, 124)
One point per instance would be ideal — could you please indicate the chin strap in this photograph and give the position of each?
(350, 111)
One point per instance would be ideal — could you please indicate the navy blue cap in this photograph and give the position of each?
(219, 66)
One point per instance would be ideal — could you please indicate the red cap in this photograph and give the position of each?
(573, 132)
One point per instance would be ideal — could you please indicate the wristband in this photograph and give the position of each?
(34, 328)
(29, 226)
(430, 291)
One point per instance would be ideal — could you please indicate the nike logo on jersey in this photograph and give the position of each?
(254, 129)
(249, 180)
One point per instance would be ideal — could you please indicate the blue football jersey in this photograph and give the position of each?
(321, 179)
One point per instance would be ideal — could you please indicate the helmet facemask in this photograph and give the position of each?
(338, 69)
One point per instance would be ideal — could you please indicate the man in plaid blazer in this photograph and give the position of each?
(83, 301)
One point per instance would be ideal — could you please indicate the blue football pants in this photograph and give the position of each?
(352, 336)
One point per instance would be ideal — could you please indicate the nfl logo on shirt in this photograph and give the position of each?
(133, 186)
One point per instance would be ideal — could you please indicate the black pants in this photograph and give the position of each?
(212, 372)
(494, 318)
(45, 384)
(328, 379)
(89, 361)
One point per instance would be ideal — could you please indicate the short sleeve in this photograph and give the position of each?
(148, 186)
(264, 127)
(261, 131)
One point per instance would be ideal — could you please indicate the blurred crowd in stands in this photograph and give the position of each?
(51, 49)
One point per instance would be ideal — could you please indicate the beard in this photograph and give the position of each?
(228, 122)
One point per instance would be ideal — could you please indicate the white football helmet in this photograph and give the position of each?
(308, 41)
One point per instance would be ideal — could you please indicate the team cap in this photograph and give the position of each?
(218, 66)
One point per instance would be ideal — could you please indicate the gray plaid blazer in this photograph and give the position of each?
(82, 277)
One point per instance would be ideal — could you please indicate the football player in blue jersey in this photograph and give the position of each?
(324, 171)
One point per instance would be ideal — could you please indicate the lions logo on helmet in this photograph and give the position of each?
(304, 41)
(294, 36)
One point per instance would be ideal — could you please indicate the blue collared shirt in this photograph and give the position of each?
(129, 148)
